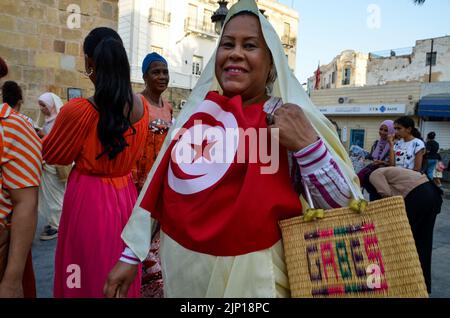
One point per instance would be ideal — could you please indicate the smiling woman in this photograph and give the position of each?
(212, 214)
(156, 77)
(243, 60)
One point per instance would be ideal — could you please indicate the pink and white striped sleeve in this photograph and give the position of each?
(322, 176)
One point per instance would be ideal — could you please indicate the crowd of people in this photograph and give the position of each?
(138, 223)
(401, 163)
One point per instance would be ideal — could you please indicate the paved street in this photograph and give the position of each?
(43, 261)
(43, 257)
(441, 251)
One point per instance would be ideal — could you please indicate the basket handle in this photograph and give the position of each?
(356, 204)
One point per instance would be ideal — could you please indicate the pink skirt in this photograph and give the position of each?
(95, 211)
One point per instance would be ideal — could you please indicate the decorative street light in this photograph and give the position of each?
(218, 18)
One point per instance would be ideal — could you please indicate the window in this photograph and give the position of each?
(197, 65)
(333, 78)
(357, 137)
(157, 49)
(347, 76)
(158, 12)
(207, 23)
(286, 38)
(287, 30)
(192, 12)
(431, 59)
(207, 14)
(159, 5)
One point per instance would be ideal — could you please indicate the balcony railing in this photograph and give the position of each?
(407, 51)
(159, 16)
(198, 26)
(288, 42)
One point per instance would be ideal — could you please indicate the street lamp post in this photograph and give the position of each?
(218, 18)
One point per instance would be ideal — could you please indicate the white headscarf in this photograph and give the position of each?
(53, 104)
(286, 86)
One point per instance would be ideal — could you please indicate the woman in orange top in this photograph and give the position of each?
(156, 76)
(103, 135)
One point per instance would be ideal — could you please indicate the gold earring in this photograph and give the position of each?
(90, 73)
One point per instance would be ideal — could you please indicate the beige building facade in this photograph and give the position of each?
(42, 41)
(348, 69)
(358, 119)
(385, 85)
(427, 61)
(183, 33)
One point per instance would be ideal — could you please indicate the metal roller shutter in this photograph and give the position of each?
(442, 130)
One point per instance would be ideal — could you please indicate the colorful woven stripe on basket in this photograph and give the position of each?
(346, 254)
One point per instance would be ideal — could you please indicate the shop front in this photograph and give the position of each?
(358, 124)
(434, 112)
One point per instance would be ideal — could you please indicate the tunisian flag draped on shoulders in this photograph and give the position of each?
(205, 199)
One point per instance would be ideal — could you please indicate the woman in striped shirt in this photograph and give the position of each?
(20, 171)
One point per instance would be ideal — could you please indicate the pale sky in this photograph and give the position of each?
(327, 27)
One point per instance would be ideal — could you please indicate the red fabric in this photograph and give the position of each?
(74, 138)
(239, 213)
(318, 73)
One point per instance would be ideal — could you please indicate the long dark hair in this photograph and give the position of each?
(407, 122)
(3, 68)
(113, 90)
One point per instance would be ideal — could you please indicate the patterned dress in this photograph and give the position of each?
(160, 121)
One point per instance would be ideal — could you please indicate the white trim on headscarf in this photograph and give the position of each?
(53, 103)
(286, 86)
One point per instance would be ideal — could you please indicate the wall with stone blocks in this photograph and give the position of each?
(45, 54)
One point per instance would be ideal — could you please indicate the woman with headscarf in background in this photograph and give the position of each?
(219, 215)
(381, 147)
(156, 76)
(54, 178)
(379, 154)
(50, 104)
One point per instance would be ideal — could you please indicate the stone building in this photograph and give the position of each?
(348, 69)
(182, 31)
(42, 43)
(364, 108)
(427, 61)
(412, 81)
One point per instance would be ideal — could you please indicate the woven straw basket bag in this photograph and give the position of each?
(354, 255)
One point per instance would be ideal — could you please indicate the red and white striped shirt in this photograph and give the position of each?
(324, 179)
(20, 157)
